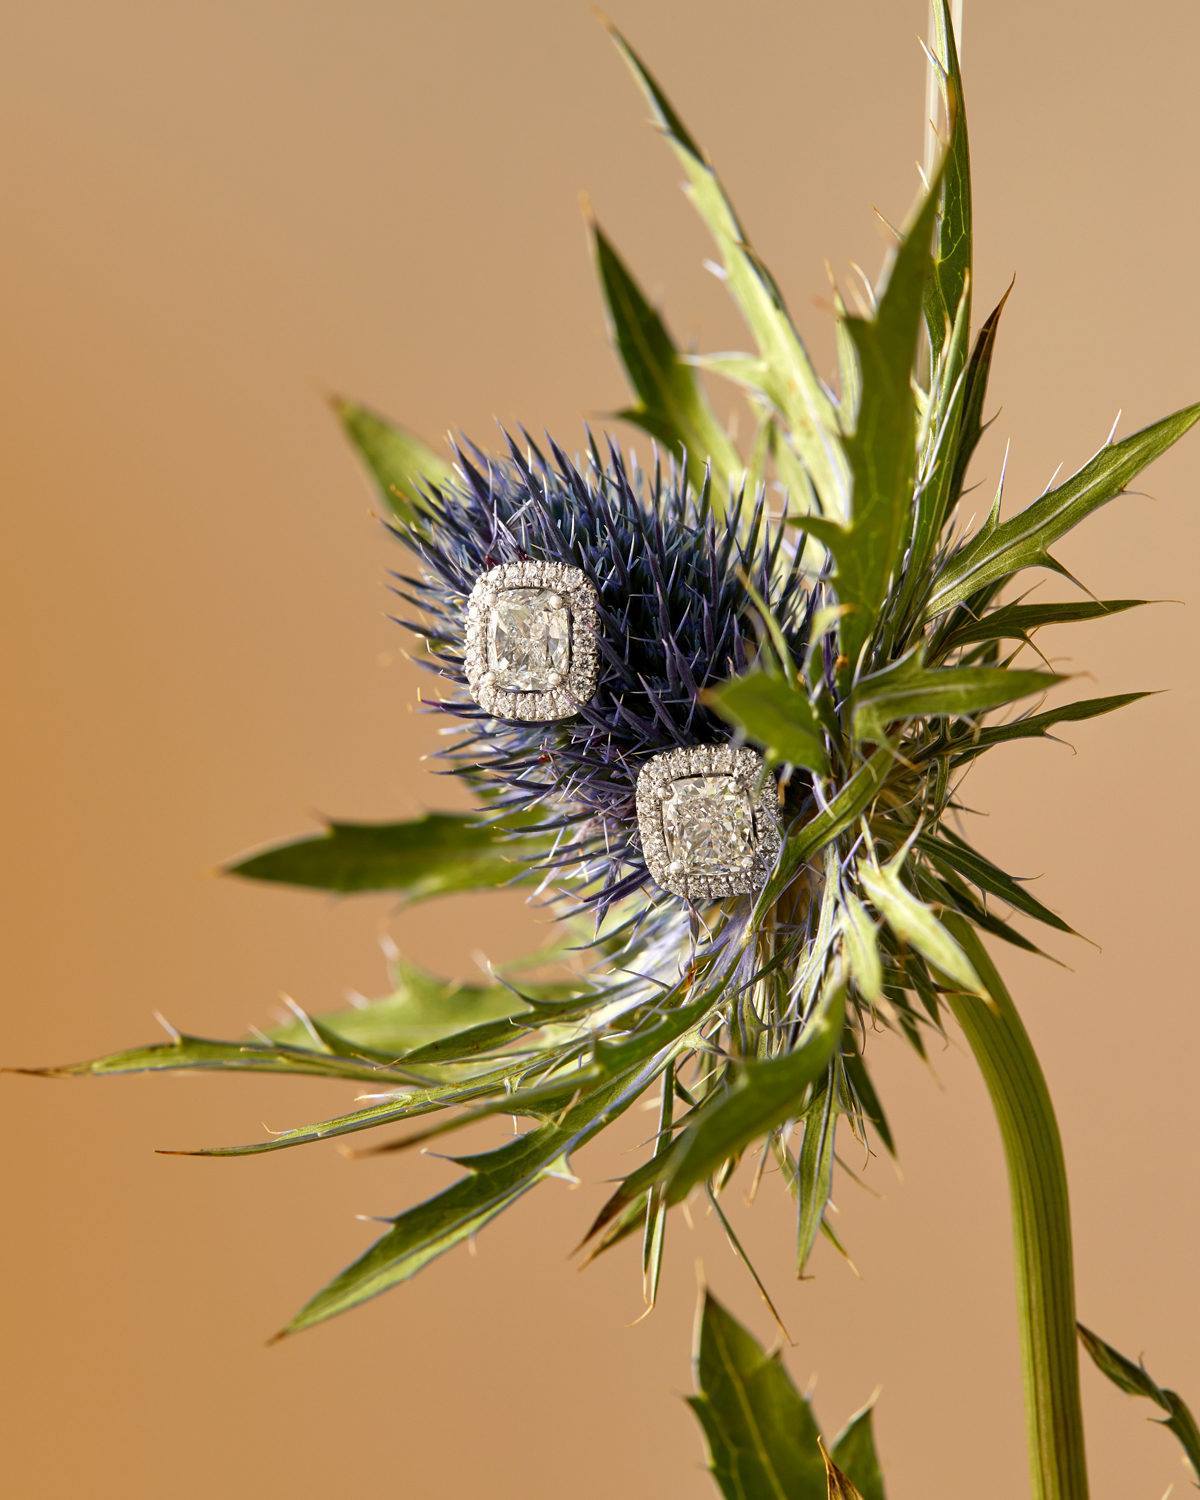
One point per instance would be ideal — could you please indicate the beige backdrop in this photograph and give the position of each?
(215, 213)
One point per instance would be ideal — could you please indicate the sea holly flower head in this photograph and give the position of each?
(671, 574)
(715, 711)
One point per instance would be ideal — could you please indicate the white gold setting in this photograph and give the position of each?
(531, 641)
(709, 821)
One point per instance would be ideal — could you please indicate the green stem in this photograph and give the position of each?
(1041, 1225)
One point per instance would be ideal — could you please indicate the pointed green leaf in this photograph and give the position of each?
(1137, 1381)
(971, 424)
(428, 856)
(854, 1453)
(673, 406)
(195, 1053)
(1033, 726)
(949, 288)
(907, 690)
(763, 1440)
(399, 463)
(1017, 622)
(1024, 541)
(791, 383)
(774, 714)
(495, 1180)
(814, 1176)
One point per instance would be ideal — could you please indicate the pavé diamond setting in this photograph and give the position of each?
(531, 641)
(709, 821)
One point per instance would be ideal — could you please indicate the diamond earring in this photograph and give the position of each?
(531, 641)
(709, 821)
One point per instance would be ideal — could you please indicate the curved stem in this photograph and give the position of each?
(1041, 1225)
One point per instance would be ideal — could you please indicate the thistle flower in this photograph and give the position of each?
(675, 580)
(818, 599)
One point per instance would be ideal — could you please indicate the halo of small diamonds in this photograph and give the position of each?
(548, 607)
(709, 821)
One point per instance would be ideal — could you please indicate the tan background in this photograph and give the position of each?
(216, 212)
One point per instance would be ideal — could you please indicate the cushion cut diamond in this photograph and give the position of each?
(708, 821)
(529, 640)
(530, 645)
(708, 825)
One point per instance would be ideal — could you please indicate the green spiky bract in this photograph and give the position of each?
(753, 1023)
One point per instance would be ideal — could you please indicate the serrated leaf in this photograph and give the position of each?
(1018, 621)
(1136, 1380)
(776, 714)
(400, 463)
(916, 924)
(185, 1053)
(673, 407)
(908, 690)
(763, 1440)
(854, 1453)
(1033, 726)
(422, 1009)
(792, 383)
(1024, 540)
(427, 856)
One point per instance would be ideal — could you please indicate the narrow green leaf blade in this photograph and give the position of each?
(949, 288)
(792, 382)
(971, 424)
(1024, 540)
(673, 407)
(1017, 622)
(814, 1178)
(427, 856)
(400, 463)
(495, 1180)
(1033, 726)
(762, 1438)
(185, 1053)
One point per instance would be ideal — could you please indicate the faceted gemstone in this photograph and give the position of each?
(708, 825)
(529, 640)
